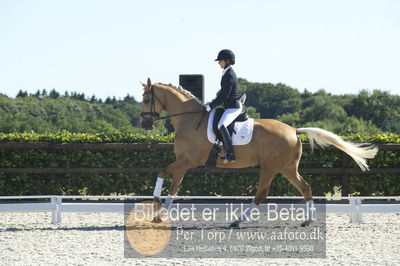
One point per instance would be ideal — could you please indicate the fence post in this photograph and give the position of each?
(359, 212)
(56, 214)
(356, 217)
(353, 215)
(345, 176)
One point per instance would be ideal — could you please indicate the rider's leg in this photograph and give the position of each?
(227, 118)
(229, 154)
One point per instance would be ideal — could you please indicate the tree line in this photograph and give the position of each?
(366, 112)
(50, 111)
(53, 94)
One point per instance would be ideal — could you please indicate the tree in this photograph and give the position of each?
(44, 93)
(54, 94)
(272, 100)
(108, 100)
(22, 94)
(130, 99)
(365, 113)
(78, 96)
(381, 108)
(93, 99)
(323, 109)
(252, 112)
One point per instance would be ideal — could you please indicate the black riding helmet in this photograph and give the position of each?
(225, 55)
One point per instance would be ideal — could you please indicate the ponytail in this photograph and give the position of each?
(229, 62)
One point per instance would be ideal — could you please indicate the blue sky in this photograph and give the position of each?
(106, 47)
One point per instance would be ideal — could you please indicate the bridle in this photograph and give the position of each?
(156, 115)
(152, 112)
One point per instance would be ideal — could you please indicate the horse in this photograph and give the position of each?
(275, 146)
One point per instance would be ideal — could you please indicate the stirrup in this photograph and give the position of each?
(229, 157)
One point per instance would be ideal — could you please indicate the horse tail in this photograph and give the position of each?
(325, 138)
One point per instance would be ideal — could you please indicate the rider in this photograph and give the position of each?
(228, 97)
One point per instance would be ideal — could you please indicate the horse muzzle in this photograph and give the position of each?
(146, 124)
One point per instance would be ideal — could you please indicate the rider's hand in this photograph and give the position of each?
(208, 108)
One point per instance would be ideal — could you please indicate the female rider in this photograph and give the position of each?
(228, 97)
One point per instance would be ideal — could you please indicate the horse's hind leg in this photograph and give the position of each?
(298, 182)
(290, 171)
(266, 177)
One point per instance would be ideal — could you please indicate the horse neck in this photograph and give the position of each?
(177, 103)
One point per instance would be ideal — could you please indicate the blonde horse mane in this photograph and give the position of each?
(188, 95)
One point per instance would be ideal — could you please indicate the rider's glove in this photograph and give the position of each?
(208, 108)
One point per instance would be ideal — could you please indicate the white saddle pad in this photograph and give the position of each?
(243, 135)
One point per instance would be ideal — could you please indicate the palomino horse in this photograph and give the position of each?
(275, 146)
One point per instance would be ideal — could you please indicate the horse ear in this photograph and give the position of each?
(148, 82)
(144, 85)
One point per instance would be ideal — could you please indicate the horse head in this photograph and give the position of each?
(151, 106)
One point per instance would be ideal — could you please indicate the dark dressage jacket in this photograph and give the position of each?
(229, 93)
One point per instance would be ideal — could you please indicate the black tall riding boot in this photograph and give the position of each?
(229, 155)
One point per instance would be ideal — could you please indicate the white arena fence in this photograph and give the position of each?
(354, 208)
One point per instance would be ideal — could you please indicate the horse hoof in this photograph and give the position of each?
(307, 223)
(235, 224)
(156, 219)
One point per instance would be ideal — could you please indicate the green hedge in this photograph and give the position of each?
(193, 184)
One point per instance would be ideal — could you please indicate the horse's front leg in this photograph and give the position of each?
(178, 169)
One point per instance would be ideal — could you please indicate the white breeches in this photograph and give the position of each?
(229, 115)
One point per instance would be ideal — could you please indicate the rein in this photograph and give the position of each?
(157, 116)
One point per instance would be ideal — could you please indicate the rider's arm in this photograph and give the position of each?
(226, 87)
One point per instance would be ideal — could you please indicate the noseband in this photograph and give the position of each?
(152, 112)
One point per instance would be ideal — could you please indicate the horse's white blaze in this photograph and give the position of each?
(325, 138)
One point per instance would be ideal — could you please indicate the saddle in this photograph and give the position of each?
(231, 128)
(218, 112)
